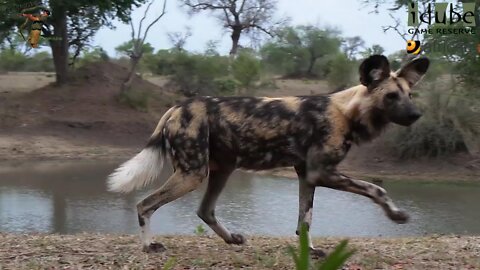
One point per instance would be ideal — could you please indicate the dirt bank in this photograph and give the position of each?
(85, 120)
(94, 251)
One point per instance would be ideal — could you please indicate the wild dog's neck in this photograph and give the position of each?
(366, 120)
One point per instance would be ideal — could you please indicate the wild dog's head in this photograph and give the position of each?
(390, 92)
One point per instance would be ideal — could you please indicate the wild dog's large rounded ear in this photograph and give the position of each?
(414, 71)
(373, 70)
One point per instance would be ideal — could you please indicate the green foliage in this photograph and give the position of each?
(337, 258)
(332, 262)
(246, 69)
(297, 50)
(93, 55)
(194, 74)
(135, 98)
(341, 72)
(458, 50)
(450, 124)
(375, 49)
(302, 259)
(126, 48)
(41, 61)
(82, 19)
(12, 60)
(352, 45)
(200, 230)
(226, 86)
(170, 264)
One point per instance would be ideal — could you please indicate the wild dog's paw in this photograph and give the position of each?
(236, 239)
(154, 248)
(317, 253)
(399, 216)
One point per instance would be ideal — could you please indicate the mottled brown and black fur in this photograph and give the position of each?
(209, 137)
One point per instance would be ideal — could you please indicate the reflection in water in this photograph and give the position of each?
(71, 198)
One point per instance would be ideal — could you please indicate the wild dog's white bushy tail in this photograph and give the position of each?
(138, 172)
(143, 168)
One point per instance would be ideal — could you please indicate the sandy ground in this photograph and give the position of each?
(32, 148)
(34, 131)
(22, 82)
(95, 251)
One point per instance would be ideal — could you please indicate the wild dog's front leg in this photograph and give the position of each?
(305, 206)
(322, 172)
(338, 181)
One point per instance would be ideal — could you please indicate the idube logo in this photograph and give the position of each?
(413, 47)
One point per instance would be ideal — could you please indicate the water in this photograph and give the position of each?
(71, 198)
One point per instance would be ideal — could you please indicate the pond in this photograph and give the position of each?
(71, 197)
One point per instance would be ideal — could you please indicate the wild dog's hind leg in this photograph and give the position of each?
(305, 206)
(206, 211)
(179, 184)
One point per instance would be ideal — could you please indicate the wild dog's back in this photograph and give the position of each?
(254, 132)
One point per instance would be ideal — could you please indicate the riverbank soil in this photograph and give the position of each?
(94, 251)
(85, 120)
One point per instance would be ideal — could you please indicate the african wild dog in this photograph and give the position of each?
(209, 137)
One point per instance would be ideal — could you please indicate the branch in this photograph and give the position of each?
(133, 29)
(395, 27)
(143, 19)
(259, 28)
(156, 20)
(229, 22)
(242, 6)
(203, 6)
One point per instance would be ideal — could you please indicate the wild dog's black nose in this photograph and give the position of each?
(414, 116)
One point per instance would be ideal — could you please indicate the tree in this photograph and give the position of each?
(298, 49)
(138, 46)
(375, 49)
(179, 39)
(246, 69)
(86, 15)
(82, 28)
(352, 45)
(341, 72)
(240, 16)
(126, 48)
(91, 55)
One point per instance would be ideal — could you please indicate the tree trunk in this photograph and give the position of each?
(131, 75)
(235, 39)
(59, 43)
(477, 20)
(311, 65)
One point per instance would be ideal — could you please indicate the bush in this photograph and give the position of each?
(194, 74)
(41, 61)
(12, 60)
(94, 55)
(341, 71)
(246, 69)
(135, 98)
(450, 124)
(226, 86)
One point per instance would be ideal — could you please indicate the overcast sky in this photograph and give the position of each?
(350, 16)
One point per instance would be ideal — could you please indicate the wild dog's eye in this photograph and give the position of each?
(392, 96)
(410, 95)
